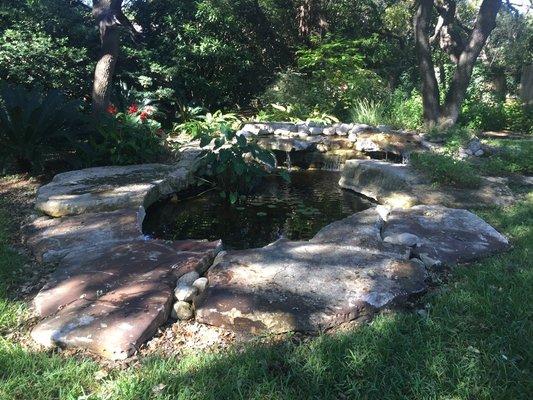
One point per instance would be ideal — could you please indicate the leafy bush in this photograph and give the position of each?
(124, 138)
(233, 164)
(198, 125)
(445, 170)
(36, 126)
(29, 56)
(406, 110)
(331, 77)
(518, 117)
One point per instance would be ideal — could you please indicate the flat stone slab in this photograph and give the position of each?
(352, 267)
(399, 185)
(109, 299)
(310, 285)
(111, 188)
(446, 235)
(300, 286)
(50, 239)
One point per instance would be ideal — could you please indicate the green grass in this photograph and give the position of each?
(512, 157)
(445, 170)
(474, 343)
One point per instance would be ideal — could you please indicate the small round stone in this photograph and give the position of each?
(185, 293)
(200, 284)
(182, 311)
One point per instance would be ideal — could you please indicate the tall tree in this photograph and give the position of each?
(463, 52)
(110, 18)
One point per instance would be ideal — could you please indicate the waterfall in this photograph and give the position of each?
(332, 163)
(288, 160)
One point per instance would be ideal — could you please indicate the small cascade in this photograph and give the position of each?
(288, 160)
(333, 163)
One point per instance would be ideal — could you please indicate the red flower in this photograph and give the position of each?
(143, 116)
(111, 109)
(133, 108)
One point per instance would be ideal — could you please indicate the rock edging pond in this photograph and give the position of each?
(114, 286)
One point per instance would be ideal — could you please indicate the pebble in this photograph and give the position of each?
(200, 284)
(182, 311)
(185, 293)
(188, 278)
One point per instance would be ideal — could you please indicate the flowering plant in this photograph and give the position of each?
(127, 137)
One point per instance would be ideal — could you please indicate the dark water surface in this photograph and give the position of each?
(295, 210)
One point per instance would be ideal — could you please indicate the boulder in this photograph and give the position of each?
(447, 236)
(110, 299)
(111, 188)
(346, 271)
(399, 185)
(302, 286)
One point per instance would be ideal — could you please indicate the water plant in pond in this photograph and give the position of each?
(234, 165)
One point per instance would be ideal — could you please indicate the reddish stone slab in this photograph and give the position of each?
(110, 299)
(50, 239)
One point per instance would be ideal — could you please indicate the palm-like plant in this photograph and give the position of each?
(35, 126)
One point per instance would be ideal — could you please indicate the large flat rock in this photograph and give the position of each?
(111, 188)
(50, 239)
(446, 235)
(301, 286)
(346, 271)
(352, 267)
(109, 299)
(400, 185)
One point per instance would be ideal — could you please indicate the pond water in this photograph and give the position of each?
(296, 210)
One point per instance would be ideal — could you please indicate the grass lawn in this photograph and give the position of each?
(475, 342)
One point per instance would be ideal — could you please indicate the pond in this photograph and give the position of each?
(295, 210)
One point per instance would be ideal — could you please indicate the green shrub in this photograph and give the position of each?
(31, 57)
(445, 170)
(331, 76)
(198, 125)
(36, 126)
(234, 165)
(518, 117)
(406, 111)
(125, 138)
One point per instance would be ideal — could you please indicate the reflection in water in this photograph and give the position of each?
(295, 210)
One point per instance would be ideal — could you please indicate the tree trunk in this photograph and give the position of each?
(104, 71)
(430, 88)
(485, 23)
(106, 13)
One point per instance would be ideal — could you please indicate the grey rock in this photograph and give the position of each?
(479, 153)
(406, 239)
(384, 128)
(444, 234)
(474, 145)
(316, 130)
(352, 136)
(329, 131)
(185, 292)
(201, 284)
(188, 279)
(182, 310)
